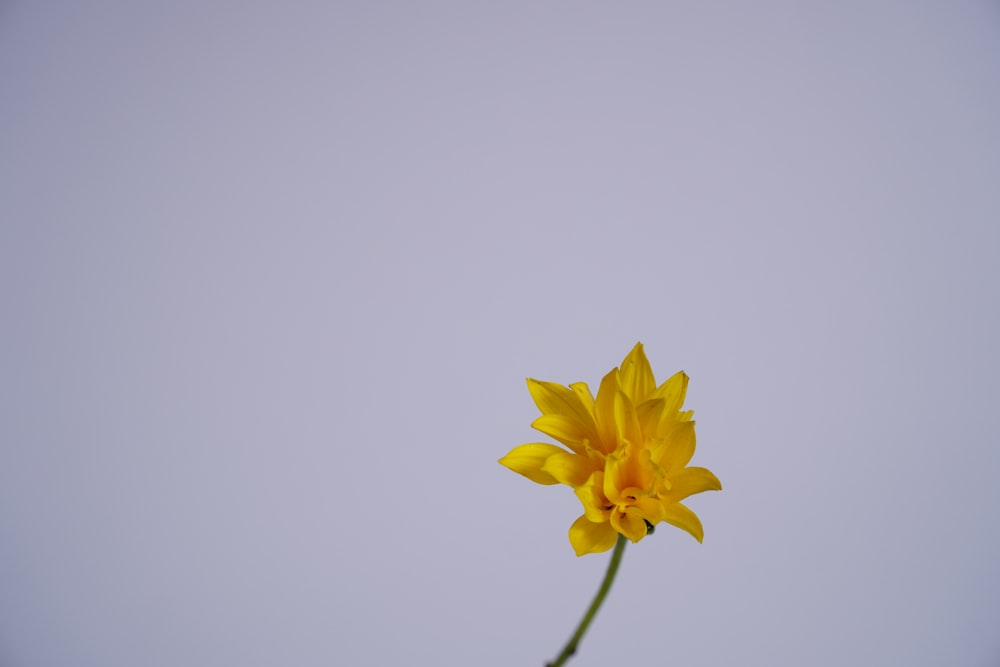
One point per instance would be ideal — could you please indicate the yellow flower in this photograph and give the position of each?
(628, 453)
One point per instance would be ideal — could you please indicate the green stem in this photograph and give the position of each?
(570, 648)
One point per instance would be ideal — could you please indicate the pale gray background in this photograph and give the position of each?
(272, 276)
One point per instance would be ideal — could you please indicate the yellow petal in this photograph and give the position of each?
(689, 481)
(673, 391)
(552, 398)
(582, 392)
(596, 506)
(626, 421)
(529, 459)
(566, 430)
(629, 523)
(627, 473)
(680, 516)
(636, 375)
(651, 508)
(571, 469)
(677, 448)
(649, 414)
(604, 411)
(588, 537)
(615, 477)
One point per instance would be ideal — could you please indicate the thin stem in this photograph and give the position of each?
(570, 648)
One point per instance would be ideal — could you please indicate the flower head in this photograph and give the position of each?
(626, 453)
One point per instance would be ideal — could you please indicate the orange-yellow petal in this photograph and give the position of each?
(629, 523)
(596, 506)
(529, 459)
(678, 515)
(588, 537)
(651, 508)
(630, 467)
(615, 477)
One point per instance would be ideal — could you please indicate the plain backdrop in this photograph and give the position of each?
(272, 276)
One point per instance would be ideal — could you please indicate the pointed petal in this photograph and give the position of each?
(680, 516)
(615, 478)
(571, 469)
(566, 430)
(651, 508)
(588, 537)
(689, 481)
(629, 523)
(582, 392)
(552, 398)
(649, 414)
(673, 391)
(604, 412)
(596, 506)
(636, 375)
(626, 421)
(528, 460)
(677, 449)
